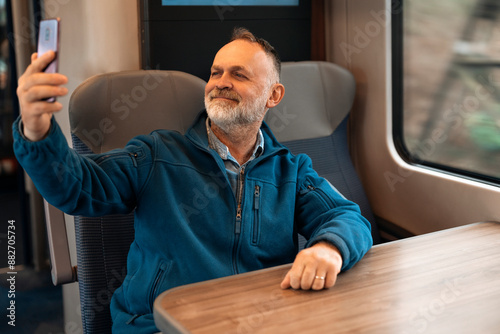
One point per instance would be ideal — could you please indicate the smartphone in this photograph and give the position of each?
(48, 39)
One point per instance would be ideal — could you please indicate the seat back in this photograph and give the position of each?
(106, 111)
(312, 118)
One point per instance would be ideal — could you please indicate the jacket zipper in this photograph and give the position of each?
(103, 158)
(109, 155)
(134, 158)
(308, 189)
(322, 195)
(256, 220)
(237, 226)
(156, 282)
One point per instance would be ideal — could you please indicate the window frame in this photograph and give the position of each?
(397, 55)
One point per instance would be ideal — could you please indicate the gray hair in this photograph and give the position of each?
(245, 34)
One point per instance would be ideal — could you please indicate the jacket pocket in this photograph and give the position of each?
(134, 156)
(257, 212)
(157, 283)
(319, 193)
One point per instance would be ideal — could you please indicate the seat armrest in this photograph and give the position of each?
(60, 261)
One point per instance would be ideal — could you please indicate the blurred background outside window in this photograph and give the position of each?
(451, 59)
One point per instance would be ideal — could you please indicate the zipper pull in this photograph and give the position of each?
(308, 189)
(134, 158)
(237, 227)
(256, 198)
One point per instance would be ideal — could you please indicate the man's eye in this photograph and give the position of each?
(239, 75)
(214, 74)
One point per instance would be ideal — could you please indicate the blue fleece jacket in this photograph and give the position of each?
(187, 224)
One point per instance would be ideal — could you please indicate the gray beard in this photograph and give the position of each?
(233, 118)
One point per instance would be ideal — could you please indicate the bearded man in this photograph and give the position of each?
(266, 195)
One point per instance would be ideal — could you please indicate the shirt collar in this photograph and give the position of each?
(221, 149)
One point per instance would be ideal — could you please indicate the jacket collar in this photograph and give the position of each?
(197, 133)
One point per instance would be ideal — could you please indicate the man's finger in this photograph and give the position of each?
(53, 79)
(307, 279)
(330, 280)
(319, 281)
(38, 93)
(285, 284)
(42, 107)
(294, 276)
(38, 64)
(29, 86)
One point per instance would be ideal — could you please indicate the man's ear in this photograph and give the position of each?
(277, 93)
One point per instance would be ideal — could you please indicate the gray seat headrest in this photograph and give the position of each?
(130, 103)
(318, 96)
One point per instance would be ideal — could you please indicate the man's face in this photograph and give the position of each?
(239, 85)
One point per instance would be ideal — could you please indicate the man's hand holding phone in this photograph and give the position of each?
(34, 87)
(37, 91)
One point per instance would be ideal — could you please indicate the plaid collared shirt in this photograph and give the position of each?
(233, 168)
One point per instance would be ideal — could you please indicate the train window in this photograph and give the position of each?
(447, 84)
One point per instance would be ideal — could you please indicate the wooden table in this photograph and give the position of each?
(442, 282)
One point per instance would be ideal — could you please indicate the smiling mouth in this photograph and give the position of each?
(224, 98)
(223, 95)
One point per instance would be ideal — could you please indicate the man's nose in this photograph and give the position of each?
(224, 82)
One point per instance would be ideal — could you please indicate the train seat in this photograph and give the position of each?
(108, 110)
(313, 118)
